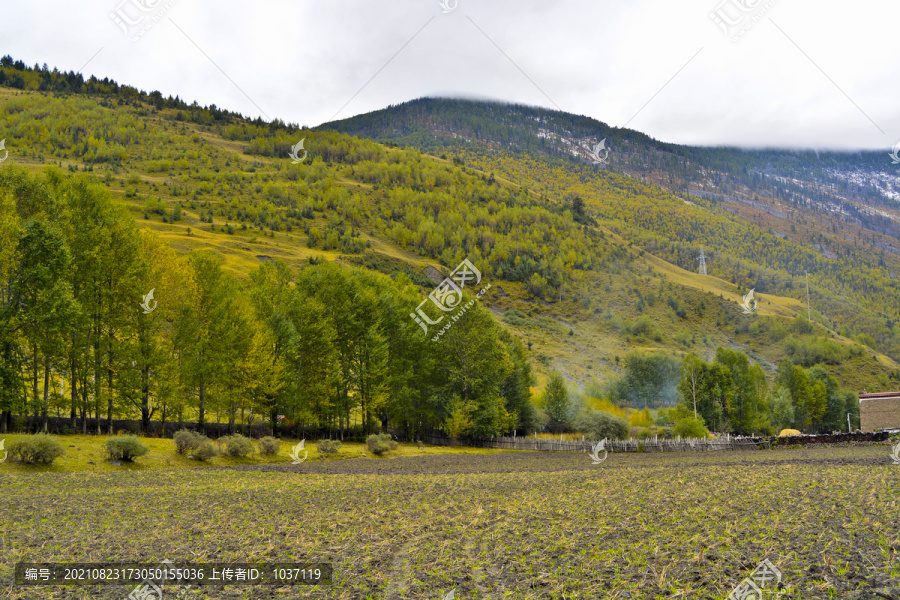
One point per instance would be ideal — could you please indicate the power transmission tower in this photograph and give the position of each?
(702, 260)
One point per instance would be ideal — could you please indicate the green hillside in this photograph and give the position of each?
(758, 234)
(587, 266)
(841, 188)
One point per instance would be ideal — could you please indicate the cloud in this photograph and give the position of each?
(790, 80)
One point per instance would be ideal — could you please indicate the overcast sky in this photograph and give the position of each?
(810, 73)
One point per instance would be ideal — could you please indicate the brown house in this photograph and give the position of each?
(879, 411)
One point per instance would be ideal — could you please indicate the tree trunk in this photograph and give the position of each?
(202, 394)
(34, 386)
(74, 394)
(232, 409)
(97, 378)
(83, 405)
(145, 399)
(46, 403)
(109, 399)
(97, 408)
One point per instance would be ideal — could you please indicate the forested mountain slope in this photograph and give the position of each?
(586, 265)
(744, 207)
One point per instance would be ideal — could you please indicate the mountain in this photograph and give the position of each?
(588, 263)
(858, 192)
(766, 217)
(438, 125)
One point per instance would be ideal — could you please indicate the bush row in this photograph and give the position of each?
(42, 448)
(199, 447)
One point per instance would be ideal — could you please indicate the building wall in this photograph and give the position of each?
(879, 413)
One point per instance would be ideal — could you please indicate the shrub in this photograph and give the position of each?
(643, 328)
(205, 452)
(268, 446)
(515, 317)
(328, 446)
(599, 424)
(641, 418)
(39, 448)
(379, 443)
(186, 441)
(237, 445)
(676, 307)
(689, 427)
(126, 447)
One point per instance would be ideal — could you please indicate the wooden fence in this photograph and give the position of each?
(583, 445)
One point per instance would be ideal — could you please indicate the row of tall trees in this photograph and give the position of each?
(810, 400)
(731, 394)
(324, 346)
